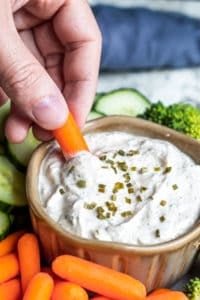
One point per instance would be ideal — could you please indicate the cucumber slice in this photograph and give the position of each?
(94, 115)
(128, 102)
(97, 97)
(4, 111)
(4, 224)
(12, 184)
(21, 153)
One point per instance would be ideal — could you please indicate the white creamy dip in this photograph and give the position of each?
(133, 189)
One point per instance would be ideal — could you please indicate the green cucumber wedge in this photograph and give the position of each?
(21, 153)
(125, 101)
(12, 184)
(5, 224)
(96, 98)
(94, 115)
(4, 111)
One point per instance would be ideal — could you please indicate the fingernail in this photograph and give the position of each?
(50, 113)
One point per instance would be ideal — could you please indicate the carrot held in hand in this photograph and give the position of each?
(170, 295)
(29, 258)
(9, 267)
(40, 287)
(10, 290)
(70, 137)
(68, 291)
(9, 244)
(98, 279)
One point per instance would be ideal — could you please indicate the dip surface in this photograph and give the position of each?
(131, 189)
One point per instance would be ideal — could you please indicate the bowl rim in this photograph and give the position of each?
(192, 236)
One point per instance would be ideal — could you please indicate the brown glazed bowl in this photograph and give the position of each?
(156, 266)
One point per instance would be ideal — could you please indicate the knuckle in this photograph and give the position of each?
(19, 79)
(45, 8)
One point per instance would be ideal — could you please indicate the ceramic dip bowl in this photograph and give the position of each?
(155, 264)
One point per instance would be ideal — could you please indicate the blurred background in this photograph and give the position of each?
(160, 55)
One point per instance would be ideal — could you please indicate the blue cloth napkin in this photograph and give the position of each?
(140, 38)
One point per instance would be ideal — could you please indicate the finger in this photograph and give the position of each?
(48, 47)
(54, 66)
(80, 95)
(79, 33)
(3, 97)
(29, 40)
(44, 9)
(22, 125)
(41, 134)
(25, 81)
(16, 5)
(47, 41)
(25, 20)
(29, 13)
(52, 51)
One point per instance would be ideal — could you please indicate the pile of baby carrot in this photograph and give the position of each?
(69, 278)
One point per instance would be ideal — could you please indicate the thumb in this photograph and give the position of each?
(27, 83)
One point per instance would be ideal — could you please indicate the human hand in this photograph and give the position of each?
(49, 55)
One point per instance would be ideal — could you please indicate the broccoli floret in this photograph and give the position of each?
(182, 117)
(192, 289)
(157, 113)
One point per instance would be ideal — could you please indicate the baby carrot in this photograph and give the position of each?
(171, 295)
(10, 290)
(9, 244)
(99, 298)
(70, 138)
(99, 279)
(9, 267)
(68, 291)
(29, 258)
(49, 271)
(40, 287)
(160, 291)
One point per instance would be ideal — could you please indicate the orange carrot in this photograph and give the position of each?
(10, 290)
(99, 298)
(155, 292)
(69, 291)
(40, 287)
(70, 138)
(98, 279)
(51, 273)
(9, 244)
(159, 291)
(170, 295)
(29, 258)
(55, 278)
(9, 267)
